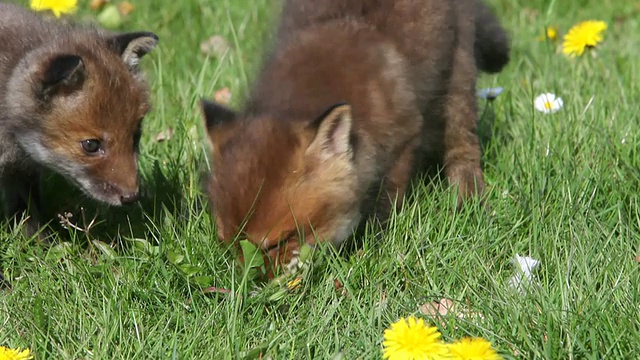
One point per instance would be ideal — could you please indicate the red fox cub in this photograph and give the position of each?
(72, 99)
(351, 99)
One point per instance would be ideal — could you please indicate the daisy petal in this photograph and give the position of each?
(547, 103)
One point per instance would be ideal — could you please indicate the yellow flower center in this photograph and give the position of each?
(548, 105)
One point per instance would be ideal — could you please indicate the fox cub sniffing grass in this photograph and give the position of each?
(351, 99)
(72, 99)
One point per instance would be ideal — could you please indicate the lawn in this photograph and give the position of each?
(150, 281)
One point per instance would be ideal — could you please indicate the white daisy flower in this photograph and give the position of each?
(548, 103)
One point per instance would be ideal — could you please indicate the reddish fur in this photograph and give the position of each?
(407, 71)
(111, 102)
(62, 86)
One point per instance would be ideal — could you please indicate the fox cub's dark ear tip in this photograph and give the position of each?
(152, 38)
(132, 46)
(333, 131)
(333, 109)
(60, 67)
(204, 102)
(215, 114)
(151, 35)
(61, 72)
(340, 105)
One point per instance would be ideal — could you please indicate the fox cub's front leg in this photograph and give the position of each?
(22, 199)
(21, 192)
(462, 151)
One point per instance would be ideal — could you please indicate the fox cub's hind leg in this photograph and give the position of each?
(461, 145)
(22, 199)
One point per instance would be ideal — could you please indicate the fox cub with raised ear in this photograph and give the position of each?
(350, 100)
(72, 99)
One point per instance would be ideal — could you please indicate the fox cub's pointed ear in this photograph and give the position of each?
(133, 46)
(333, 134)
(61, 74)
(215, 114)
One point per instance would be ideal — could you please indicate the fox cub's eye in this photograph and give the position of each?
(91, 146)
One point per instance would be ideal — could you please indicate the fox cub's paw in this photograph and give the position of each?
(468, 180)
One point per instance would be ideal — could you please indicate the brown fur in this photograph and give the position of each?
(294, 164)
(112, 102)
(61, 85)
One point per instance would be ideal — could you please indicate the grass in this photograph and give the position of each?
(563, 188)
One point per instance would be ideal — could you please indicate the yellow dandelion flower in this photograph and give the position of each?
(411, 339)
(551, 33)
(58, 7)
(581, 36)
(14, 354)
(472, 349)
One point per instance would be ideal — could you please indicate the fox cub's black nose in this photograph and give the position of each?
(129, 198)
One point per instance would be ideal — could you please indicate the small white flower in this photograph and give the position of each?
(548, 103)
(526, 265)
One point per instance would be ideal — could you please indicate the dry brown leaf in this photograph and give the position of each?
(164, 135)
(97, 4)
(125, 8)
(223, 96)
(339, 287)
(437, 308)
(514, 350)
(337, 284)
(444, 307)
(216, 45)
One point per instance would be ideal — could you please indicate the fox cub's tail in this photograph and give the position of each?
(492, 43)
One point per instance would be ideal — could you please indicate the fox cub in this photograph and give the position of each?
(351, 99)
(72, 99)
